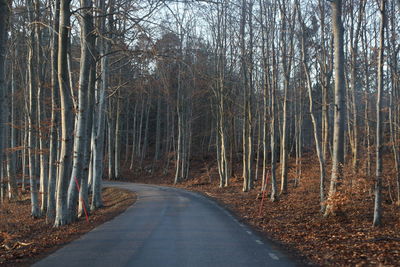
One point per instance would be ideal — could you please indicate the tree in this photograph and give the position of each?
(81, 134)
(67, 115)
(99, 118)
(340, 106)
(378, 150)
(5, 6)
(32, 104)
(50, 215)
(286, 39)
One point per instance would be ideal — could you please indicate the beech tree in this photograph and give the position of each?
(67, 115)
(340, 106)
(33, 11)
(53, 147)
(82, 136)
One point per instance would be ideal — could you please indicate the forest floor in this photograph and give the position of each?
(295, 221)
(24, 240)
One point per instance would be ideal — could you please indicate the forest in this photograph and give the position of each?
(91, 90)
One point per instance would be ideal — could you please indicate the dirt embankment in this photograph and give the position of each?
(24, 240)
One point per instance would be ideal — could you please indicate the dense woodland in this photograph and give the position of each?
(90, 87)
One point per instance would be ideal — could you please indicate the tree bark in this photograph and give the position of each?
(67, 117)
(340, 104)
(81, 133)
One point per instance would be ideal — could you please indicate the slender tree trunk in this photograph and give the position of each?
(33, 83)
(138, 148)
(158, 130)
(43, 157)
(111, 139)
(98, 141)
(50, 215)
(12, 183)
(354, 40)
(133, 147)
(25, 171)
(394, 96)
(146, 132)
(5, 7)
(377, 221)
(117, 140)
(127, 130)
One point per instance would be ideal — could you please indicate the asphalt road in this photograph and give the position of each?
(169, 227)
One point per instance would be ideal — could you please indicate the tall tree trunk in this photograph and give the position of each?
(117, 140)
(5, 13)
(98, 140)
(340, 104)
(146, 132)
(88, 167)
(81, 133)
(246, 136)
(354, 40)
(377, 221)
(33, 83)
(12, 182)
(134, 128)
(111, 138)
(50, 215)
(43, 158)
(158, 130)
(394, 96)
(67, 117)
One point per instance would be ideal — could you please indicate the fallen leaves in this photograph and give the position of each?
(24, 239)
(295, 221)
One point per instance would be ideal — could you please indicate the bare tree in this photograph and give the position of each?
(32, 110)
(67, 116)
(50, 215)
(4, 19)
(378, 171)
(340, 106)
(81, 134)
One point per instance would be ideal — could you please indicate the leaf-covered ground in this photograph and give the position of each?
(295, 221)
(24, 240)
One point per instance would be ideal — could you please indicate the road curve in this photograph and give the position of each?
(169, 227)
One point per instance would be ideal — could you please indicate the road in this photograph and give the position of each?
(169, 227)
